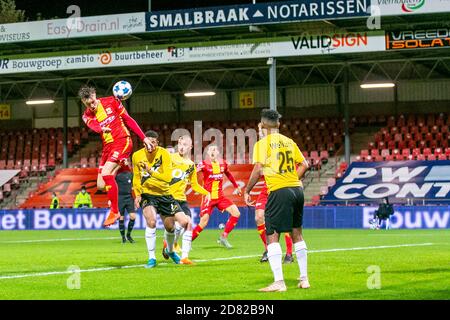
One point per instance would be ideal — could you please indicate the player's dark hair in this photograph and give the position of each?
(152, 134)
(86, 91)
(270, 116)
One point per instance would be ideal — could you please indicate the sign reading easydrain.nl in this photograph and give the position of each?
(418, 39)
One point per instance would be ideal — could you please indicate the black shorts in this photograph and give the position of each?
(164, 205)
(185, 206)
(284, 210)
(126, 203)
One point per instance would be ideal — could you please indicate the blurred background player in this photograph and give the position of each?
(83, 199)
(213, 170)
(152, 173)
(184, 171)
(260, 207)
(108, 117)
(385, 210)
(276, 156)
(55, 201)
(124, 179)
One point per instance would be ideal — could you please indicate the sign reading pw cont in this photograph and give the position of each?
(402, 180)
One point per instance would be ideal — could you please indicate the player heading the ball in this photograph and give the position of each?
(108, 117)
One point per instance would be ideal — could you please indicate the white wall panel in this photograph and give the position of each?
(424, 91)
(358, 95)
(310, 96)
(217, 102)
(152, 102)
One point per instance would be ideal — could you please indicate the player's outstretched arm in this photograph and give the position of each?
(254, 177)
(195, 185)
(302, 169)
(132, 125)
(233, 181)
(137, 187)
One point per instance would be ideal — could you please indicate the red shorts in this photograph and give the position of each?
(262, 200)
(222, 203)
(117, 151)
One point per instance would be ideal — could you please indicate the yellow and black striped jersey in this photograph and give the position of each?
(184, 171)
(157, 182)
(279, 156)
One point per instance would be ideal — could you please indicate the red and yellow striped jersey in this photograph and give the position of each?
(213, 175)
(109, 114)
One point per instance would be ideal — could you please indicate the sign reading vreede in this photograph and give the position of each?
(288, 47)
(418, 39)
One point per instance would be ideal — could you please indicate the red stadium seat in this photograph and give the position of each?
(374, 152)
(426, 152)
(421, 157)
(442, 157)
(406, 153)
(431, 157)
(385, 153)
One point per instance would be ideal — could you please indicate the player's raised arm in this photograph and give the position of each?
(132, 124)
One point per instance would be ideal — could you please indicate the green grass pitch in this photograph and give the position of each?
(32, 266)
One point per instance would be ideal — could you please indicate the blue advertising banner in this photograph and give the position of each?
(263, 13)
(330, 217)
(402, 182)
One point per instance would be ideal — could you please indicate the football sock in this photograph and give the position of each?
(274, 254)
(169, 237)
(130, 227)
(113, 193)
(302, 258)
(187, 242)
(196, 232)
(288, 240)
(150, 238)
(178, 231)
(262, 234)
(122, 228)
(231, 223)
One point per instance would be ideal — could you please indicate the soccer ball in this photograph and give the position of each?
(122, 90)
(221, 226)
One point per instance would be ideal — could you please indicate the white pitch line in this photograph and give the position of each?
(43, 274)
(63, 239)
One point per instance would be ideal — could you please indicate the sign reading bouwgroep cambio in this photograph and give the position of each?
(400, 181)
(263, 13)
(338, 43)
(73, 28)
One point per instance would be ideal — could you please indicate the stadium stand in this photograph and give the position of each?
(412, 137)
